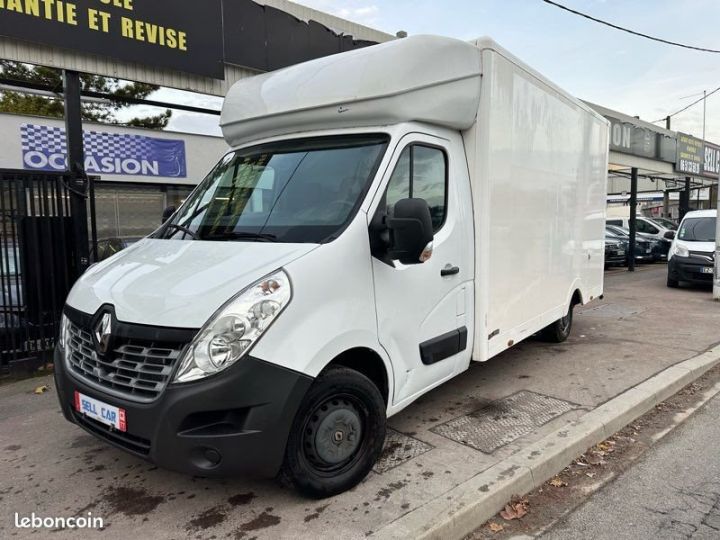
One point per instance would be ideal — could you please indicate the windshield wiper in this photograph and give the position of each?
(181, 228)
(232, 235)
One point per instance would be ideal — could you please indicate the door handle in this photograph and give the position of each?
(449, 270)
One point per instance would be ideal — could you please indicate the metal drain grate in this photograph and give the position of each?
(399, 449)
(503, 421)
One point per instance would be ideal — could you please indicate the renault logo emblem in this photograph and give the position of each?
(103, 333)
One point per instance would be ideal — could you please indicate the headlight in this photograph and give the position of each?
(681, 251)
(64, 336)
(233, 329)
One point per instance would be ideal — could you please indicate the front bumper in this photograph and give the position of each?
(644, 252)
(690, 269)
(612, 258)
(235, 422)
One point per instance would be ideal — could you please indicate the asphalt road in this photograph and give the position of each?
(673, 492)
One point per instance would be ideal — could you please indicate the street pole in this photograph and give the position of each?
(633, 218)
(704, 110)
(685, 199)
(77, 182)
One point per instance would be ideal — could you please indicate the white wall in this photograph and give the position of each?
(201, 152)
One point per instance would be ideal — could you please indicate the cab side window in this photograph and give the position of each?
(421, 173)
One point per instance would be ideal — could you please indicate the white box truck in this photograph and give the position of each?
(386, 216)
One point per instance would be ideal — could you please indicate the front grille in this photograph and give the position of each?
(134, 444)
(134, 369)
(710, 257)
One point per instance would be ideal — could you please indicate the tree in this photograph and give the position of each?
(103, 112)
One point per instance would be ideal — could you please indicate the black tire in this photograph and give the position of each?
(321, 458)
(672, 283)
(559, 331)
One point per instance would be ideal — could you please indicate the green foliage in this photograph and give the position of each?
(16, 102)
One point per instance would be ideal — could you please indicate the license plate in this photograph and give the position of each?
(707, 270)
(102, 412)
(648, 251)
(620, 252)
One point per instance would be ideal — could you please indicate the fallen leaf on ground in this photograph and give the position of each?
(495, 527)
(590, 474)
(594, 459)
(516, 509)
(607, 446)
(556, 482)
(41, 389)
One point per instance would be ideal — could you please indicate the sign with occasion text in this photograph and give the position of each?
(636, 140)
(44, 149)
(185, 35)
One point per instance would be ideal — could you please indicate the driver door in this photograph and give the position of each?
(424, 311)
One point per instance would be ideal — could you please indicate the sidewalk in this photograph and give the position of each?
(467, 426)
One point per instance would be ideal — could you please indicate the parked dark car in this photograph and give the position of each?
(661, 246)
(647, 249)
(615, 252)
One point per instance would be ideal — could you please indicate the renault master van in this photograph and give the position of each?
(386, 216)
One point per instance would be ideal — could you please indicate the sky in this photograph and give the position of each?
(593, 62)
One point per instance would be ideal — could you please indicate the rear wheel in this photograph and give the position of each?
(559, 331)
(337, 435)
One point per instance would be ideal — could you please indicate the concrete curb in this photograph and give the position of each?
(464, 508)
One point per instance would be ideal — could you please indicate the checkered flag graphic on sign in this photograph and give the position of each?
(52, 139)
(117, 144)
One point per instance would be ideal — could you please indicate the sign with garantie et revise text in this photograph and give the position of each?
(185, 35)
(44, 148)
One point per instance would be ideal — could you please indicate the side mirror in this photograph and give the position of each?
(167, 213)
(411, 231)
(670, 235)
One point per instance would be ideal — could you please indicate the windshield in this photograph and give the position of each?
(698, 230)
(303, 190)
(617, 231)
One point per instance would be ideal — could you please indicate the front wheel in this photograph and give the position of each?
(337, 435)
(559, 331)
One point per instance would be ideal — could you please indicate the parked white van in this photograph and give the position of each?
(692, 254)
(386, 216)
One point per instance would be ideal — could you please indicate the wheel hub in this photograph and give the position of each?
(335, 433)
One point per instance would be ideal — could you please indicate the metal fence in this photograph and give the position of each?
(37, 263)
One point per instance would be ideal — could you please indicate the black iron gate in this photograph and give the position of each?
(38, 262)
